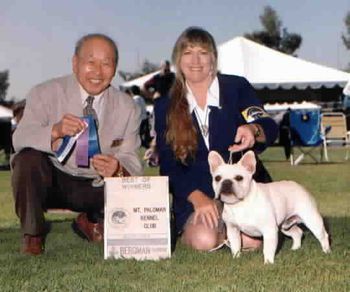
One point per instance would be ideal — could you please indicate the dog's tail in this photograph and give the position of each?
(289, 222)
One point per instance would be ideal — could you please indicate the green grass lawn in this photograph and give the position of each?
(71, 264)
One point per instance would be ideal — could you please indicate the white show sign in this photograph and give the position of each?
(137, 218)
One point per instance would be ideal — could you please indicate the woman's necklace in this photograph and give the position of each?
(204, 127)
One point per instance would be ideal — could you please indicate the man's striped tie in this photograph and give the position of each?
(89, 110)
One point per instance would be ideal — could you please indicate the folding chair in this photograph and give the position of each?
(338, 135)
(306, 134)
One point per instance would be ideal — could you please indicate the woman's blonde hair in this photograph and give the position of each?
(181, 134)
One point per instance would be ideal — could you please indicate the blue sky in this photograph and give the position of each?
(37, 37)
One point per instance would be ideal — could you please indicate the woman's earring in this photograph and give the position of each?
(211, 71)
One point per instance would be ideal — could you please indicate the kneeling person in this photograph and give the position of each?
(53, 111)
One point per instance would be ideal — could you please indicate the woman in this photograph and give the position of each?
(206, 111)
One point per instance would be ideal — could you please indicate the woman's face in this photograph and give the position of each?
(196, 63)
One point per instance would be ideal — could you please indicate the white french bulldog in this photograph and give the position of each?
(261, 209)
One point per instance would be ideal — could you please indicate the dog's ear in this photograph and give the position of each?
(248, 161)
(215, 160)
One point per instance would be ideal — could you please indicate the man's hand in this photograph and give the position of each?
(105, 165)
(205, 209)
(69, 125)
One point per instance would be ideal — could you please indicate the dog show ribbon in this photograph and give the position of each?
(66, 146)
(87, 144)
(82, 146)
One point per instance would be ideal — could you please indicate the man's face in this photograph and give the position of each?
(95, 65)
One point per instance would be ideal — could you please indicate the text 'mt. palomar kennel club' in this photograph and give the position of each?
(137, 220)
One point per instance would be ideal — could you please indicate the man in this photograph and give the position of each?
(160, 84)
(53, 111)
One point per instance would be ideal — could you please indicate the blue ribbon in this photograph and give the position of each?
(69, 141)
(65, 148)
(94, 146)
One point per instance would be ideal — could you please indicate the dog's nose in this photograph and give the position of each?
(226, 186)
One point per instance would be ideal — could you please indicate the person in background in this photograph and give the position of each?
(285, 134)
(144, 127)
(54, 110)
(160, 84)
(206, 111)
(18, 109)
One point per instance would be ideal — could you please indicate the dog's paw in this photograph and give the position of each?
(326, 246)
(268, 261)
(295, 246)
(236, 254)
(327, 250)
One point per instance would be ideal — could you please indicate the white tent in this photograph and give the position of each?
(271, 107)
(139, 81)
(5, 113)
(346, 90)
(268, 68)
(265, 67)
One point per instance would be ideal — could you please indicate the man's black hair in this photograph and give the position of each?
(90, 36)
(135, 90)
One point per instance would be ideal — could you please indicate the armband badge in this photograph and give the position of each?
(254, 113)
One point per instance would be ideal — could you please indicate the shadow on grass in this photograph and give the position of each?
(72, 264)
(337, 227)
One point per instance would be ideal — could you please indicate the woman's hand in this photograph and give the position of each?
(205, 209)
(105, 165)
(246, 137)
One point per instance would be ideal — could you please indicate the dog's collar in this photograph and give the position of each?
(231, 204)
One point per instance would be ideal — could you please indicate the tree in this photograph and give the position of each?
(346, 37)
(4, 84)
(274, 35)
(146, 67)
